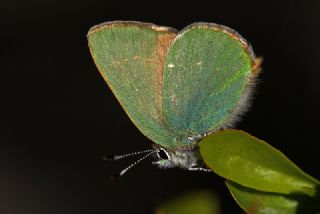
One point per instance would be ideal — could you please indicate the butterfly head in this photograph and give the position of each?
(185, 158)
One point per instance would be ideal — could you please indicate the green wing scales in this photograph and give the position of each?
(174, 85)
(130, 56)
(208, 74)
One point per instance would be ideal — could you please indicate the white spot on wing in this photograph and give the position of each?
(170, 65)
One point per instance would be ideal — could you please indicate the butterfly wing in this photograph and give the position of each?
(130, 57)
(207, 76)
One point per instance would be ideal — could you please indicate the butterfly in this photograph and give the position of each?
(176, 87)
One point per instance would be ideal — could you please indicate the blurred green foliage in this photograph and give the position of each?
(197, 202)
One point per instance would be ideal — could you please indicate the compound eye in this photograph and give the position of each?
(162, 154)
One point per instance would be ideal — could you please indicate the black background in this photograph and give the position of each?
(58, 118)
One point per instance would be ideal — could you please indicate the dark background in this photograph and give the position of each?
(58, 118)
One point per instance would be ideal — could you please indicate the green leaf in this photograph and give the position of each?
(253, 201)
(200, 202)
(253, 163)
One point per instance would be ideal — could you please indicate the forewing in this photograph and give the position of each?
(130, 57)
(206, 72)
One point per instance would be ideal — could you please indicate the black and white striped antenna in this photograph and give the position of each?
(117, 157)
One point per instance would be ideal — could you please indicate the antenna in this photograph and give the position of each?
(118, 157)
(132, 165)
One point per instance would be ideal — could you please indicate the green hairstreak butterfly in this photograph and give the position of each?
(176, 87)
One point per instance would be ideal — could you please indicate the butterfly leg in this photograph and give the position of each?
(199, 169)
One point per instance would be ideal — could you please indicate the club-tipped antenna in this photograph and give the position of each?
(122, 172)
(118, 157)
